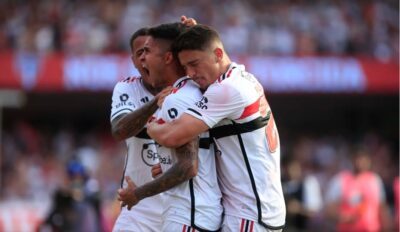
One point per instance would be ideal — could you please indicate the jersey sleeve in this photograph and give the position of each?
(218, 102)
(175, 104)
(170, 111)
(123, 100)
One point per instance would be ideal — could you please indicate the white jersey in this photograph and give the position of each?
(247, 144)
(196, 202)
(129, 95)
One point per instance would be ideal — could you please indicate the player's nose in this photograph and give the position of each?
(142, 56)
(190, 72)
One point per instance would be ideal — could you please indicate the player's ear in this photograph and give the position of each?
(219, 54)
(168, 57)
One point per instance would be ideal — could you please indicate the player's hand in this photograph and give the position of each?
(189, 22)
(152, 128)
(127, 195)
(156, 170)
(162, 95)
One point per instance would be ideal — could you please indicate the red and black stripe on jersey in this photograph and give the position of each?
(130, 79)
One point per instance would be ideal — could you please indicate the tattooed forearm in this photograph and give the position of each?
(184, 169)
(131, 124)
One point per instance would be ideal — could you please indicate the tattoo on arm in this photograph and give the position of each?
(128, 125)
(184, 169)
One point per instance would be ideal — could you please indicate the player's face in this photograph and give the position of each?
(152, 61)
(138, 49)
(201, 66)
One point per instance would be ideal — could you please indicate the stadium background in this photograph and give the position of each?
(330, 70)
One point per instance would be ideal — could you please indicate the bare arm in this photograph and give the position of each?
(128, 125)
(178, 132)
(184, 169)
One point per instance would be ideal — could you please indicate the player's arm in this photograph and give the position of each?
(184, 169)
(178, 132)
(130, 124)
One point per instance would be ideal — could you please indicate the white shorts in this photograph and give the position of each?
(131, 221)
(236, 224)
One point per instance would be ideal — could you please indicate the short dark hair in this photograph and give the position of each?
(167, 31)
(197, 37)
(141, 32)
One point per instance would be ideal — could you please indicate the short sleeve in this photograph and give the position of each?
(170, 109)
(218, 102)
(175, 104)
(123, 100)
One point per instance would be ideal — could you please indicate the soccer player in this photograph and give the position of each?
(192, 199)
(244, 132)
(134, 101)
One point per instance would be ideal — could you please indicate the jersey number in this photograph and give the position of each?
(270, 130)
(272, 135)
(144, 100)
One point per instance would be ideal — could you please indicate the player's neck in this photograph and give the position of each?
(172, 74)
(225, 64)
(151, 89)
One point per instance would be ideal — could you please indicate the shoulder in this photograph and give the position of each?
(225, 91)
(130, 80)
(128, 83)
(185, 88)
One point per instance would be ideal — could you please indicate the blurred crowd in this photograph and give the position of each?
(276, 27)
(36, 165)
(65, 169)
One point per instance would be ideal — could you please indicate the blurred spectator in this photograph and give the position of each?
(356, 199)
(34, 158)
(78, 206)
(286, 27)
(303, 197)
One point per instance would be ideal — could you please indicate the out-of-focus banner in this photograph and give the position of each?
(58, 72)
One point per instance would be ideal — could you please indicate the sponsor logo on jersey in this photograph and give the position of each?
(150, 155)
(124, 101)
(172, 113)
(202, 104)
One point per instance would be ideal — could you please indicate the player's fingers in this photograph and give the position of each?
(167, 90)
(156, 166)
(190, 22)
(121, 194)
(160, 101)
(156, 170)
(183, 18)
(123, 204)
(131, 184)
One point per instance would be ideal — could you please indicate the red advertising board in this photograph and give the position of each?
(58, 72)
